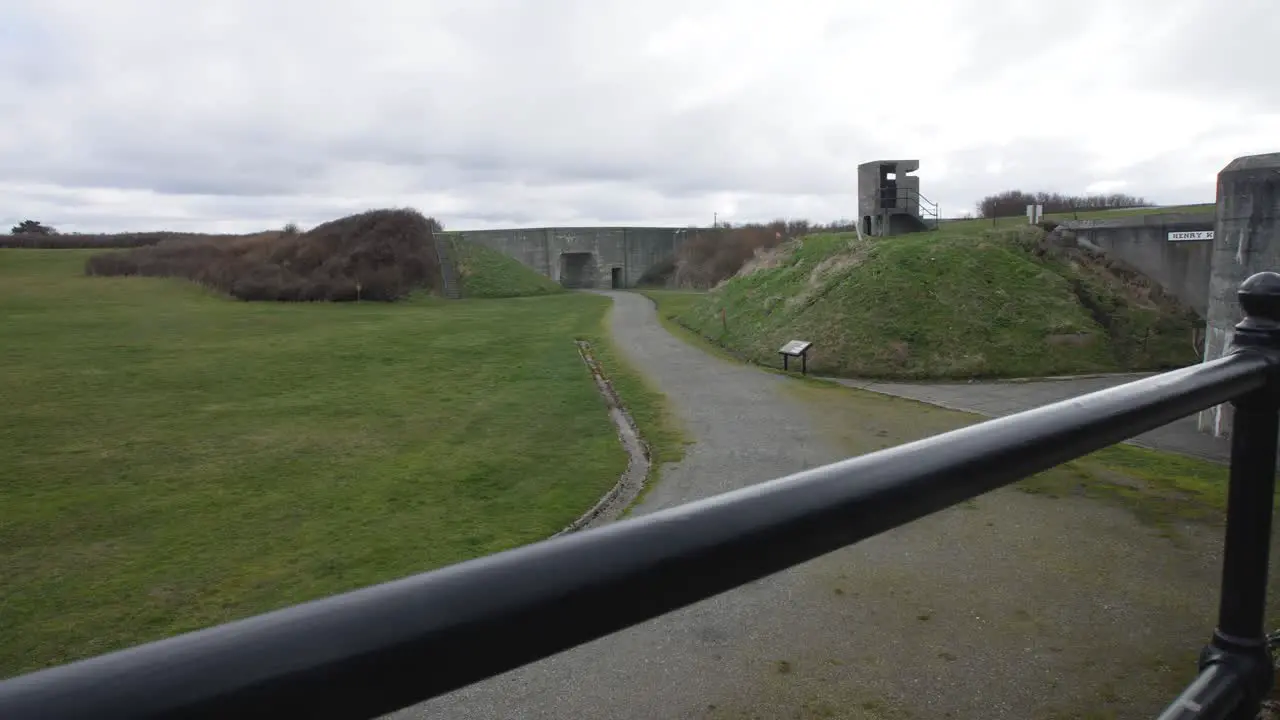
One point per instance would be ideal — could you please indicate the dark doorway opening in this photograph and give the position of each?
(577, 270)
(615, 278)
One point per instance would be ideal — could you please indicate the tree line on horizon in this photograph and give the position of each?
(33, 234)
(1009, 203)
(1014, 202)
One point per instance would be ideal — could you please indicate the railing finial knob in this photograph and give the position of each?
(1259, 296)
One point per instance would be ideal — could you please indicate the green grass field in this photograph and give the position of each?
(171, 459)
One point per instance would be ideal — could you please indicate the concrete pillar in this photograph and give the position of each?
(1246, 240)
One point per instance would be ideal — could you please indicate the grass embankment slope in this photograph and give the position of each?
(486, 273)
(948, 304)
(171, 459)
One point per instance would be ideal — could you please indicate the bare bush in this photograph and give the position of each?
(377, 255)
(1014, 202)
(709, 255)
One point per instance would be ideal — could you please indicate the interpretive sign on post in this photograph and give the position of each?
(796, 348)
(1191, 236)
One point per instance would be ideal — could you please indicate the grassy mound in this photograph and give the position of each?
(487, 273)
(946, 305)
(377, 255)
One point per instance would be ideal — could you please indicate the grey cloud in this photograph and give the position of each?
(1222, 50)
(503, 111)
(1053, 166)
(1004, 34)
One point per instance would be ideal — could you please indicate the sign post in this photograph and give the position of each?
(796, 348)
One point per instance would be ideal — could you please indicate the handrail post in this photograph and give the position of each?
(1236, 667)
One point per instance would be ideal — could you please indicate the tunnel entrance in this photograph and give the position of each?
(615, 278)
(577, 270)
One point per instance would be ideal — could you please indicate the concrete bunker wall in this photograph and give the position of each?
(1181, 267)
(584, 257)
(889, 197)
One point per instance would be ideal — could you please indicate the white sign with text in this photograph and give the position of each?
(1191, 236)
(795, 348)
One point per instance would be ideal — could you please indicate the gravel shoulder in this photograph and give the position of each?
(1011, 606)
(995, 399)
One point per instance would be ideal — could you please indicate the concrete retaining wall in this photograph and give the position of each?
(1181, 267)
(614, 256)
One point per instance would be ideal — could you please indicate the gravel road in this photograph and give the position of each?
(1012, 606)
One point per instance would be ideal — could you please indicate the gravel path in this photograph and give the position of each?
(995, 399)
(1013, 606)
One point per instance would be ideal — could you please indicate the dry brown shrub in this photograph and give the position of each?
(376, 255)
(710, 255)
(1012, 203)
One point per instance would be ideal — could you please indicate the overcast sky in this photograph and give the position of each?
(236, 115)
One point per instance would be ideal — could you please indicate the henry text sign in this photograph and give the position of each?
(1191, 236)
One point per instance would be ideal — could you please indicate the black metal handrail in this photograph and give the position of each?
(368, 652)
(927, 209)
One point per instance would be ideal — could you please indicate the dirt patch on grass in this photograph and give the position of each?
(826, 271)
(900, 351)
(764, 259)
(1072, 339)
